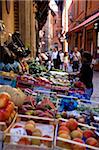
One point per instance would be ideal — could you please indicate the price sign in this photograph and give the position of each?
(16, 134)
(1, 140)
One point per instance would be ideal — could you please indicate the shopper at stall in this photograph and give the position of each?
(76, 59)
(86, 74)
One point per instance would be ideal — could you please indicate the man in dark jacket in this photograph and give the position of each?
(86, 74)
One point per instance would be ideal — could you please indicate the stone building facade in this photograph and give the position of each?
(23, 16)
(84, 26)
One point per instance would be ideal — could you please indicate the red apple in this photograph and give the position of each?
(4, 98)
(24, 141)
(88, 133)
(72, 124)
(10, 107)
(92, 141)
(78, 147)
(2, 118)
(64, 128)
(45, 142)
(6, 112)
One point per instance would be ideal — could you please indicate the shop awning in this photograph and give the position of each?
(87, 21)
(42, 12)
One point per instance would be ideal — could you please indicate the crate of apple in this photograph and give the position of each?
(31, 131)
(7, 109)
(75, 136)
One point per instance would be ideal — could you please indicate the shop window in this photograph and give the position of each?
(76, 39)
(0, 10)
(76, 8)
(73, 11)
(89, 4)
(98, 39)
(81, 40)
(89, 40)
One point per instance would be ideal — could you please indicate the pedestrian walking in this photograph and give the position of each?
(58, 60)
(54, 57)
(66, 59)
(93, 62)
(76, 59)
(86, 74)
(61, 59)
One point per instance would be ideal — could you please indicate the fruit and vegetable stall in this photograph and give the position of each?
(46, 110)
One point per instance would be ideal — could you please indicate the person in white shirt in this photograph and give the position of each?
(61, 59)
(54, 57)
(76, 59)
(66, 60)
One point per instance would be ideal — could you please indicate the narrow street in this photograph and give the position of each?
(96, 86)
(49, 93)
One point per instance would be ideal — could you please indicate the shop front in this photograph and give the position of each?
(86, 36)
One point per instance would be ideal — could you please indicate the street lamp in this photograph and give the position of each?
(96, 25)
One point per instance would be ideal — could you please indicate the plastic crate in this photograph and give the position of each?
(7, 81)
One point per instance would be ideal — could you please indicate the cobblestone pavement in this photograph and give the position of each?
(96, 86)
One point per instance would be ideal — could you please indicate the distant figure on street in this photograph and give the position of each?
(58, 59)
(76, 59)
(66, 59)
(86, 74)
(81, 51)
(61, 59)
(39, 58)
(93, 62)
(54, 57)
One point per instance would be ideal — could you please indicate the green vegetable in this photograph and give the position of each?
(36, 69)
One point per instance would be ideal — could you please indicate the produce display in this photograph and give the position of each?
(69, 134)
(35, 69)
(8, 74)
(8, 78)
(17, 96)
(60, 81)
(70, 107)
(7, 112)
(44, 101)
(32, 132)
(39, 106)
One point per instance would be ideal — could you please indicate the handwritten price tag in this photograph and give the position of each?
(16, 134)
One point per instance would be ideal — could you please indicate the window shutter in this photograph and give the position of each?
(16, 15)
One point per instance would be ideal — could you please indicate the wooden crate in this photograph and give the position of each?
(4, 129)
(44, 122)
(59, 142)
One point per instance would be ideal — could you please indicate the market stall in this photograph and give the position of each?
(49, 110)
